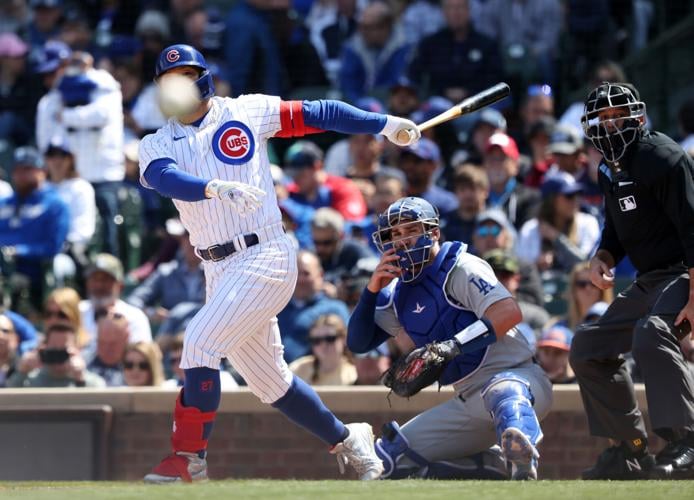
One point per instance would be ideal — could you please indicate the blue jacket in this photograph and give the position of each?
(364, 70)
(35, 226)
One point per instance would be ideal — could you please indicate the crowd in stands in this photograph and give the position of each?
(99, 280)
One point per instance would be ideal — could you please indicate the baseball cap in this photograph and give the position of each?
(27, 156)
(565, 140)
(430, 108)
(51, 56)
(302, 154)
(492, 117)
(556, 336)
(425, 149)
(12, 46)
(494, 215)
(403, 83)
(58, 144)
(502, 261)
(153, 22)
(560, 183)
(107, 263)
(505, 143)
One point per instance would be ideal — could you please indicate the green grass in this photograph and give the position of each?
(334, 490)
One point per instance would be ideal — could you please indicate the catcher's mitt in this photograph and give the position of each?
(420, 368)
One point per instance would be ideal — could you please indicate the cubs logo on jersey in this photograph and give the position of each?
(233, 143)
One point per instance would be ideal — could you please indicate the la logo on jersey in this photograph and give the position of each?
(233, 143)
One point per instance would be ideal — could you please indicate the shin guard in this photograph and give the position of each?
(188, 427)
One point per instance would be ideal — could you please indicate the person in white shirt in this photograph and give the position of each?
(104, 284)
(560, 236)
(77, 194)
(85, 106)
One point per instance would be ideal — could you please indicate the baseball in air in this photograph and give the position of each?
(177, 95)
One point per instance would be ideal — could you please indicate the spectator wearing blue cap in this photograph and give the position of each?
(403, 97)
(560, 236)
(376, 56)
(34, 222)
(420, 162)
(78, 195)
(458, 60)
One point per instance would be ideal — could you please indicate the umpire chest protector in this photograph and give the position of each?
(428, 314)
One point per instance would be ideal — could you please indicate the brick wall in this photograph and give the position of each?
(253, 440)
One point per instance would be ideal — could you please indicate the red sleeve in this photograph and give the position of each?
(292, 120)
(346, 198)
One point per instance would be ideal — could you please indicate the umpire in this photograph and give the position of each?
(646, 179)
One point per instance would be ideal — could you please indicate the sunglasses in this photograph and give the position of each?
(55, 314)
(488, 231)
(142, 365)
(324, 243)
(583, 284)
(329, 339)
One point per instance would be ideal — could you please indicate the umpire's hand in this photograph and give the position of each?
(600, 273)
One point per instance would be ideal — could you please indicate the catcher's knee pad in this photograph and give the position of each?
(390, 447)
(508, 398)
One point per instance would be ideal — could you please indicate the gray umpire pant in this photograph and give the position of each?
(639, 320)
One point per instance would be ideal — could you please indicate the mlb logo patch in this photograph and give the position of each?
(627, 203)
(233, 143)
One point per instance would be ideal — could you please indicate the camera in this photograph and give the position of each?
(53, 356)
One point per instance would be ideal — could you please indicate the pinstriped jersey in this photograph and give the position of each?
(229, 144)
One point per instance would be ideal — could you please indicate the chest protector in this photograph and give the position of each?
(428, 314)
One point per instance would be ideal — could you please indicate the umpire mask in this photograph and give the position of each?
(613, 118)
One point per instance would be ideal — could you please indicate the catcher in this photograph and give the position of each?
(461, 320)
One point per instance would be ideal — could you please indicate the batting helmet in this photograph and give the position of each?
(612, 133)
(418, 219)
(185, 55)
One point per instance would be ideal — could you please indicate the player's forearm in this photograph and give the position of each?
(171, 182)
(328, 114)
(363, 334)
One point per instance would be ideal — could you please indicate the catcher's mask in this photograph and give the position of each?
(611, 136)
(414, 249)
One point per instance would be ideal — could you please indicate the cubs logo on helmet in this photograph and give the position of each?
(233, 143)
(172, 55)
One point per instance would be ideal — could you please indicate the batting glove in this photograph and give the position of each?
(401, 131)
(244, 198)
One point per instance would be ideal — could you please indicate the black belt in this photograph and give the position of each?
(218, 252)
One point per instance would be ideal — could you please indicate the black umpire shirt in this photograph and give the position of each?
(649, 204)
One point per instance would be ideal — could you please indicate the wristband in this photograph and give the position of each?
(476, 336)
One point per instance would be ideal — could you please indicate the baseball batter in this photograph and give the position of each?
(439, 293)
(211, 158)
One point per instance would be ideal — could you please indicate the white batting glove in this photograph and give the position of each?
(244, 198)
(401, 131)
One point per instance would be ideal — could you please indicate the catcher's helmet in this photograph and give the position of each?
(611, 136)
(408, 212)
(185, 55)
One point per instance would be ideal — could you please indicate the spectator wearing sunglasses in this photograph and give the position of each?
(329, 362)
(583, 297)
(336, 253)
(142, 365)
(494, 231)
(560, 236)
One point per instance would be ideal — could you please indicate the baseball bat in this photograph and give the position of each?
(469, 105)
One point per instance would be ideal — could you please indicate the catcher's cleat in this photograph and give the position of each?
(179, 467)
(358, 451)
(618, 462)
(520, 452)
